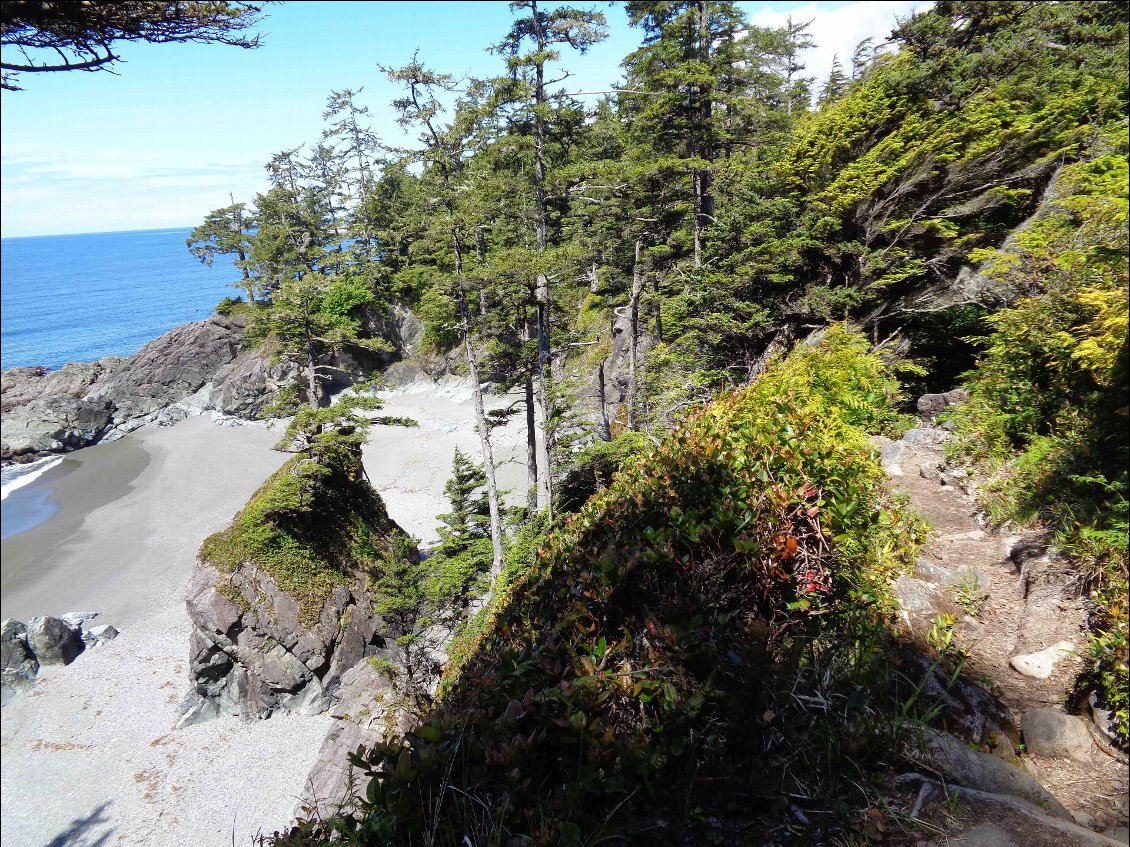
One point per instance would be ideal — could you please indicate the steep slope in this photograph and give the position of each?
(653, 674)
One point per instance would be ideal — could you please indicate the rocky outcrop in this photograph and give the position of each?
(251, 656)
(25, 648)
(167, 370)
(195, 368)
(368, 708)
(983, 771)
(84, 403)
(932, 405)
(282, 602)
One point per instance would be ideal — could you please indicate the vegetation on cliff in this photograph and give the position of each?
(657, 675)
(315, 523)
(691, 630)
(1050, 398)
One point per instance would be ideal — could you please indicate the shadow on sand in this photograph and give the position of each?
(89, 831)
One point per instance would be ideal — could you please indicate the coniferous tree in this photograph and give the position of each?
(442, 156)
(542, 31)
(834, 85)
(227, 232)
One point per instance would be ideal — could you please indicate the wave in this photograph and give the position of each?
(17, 476)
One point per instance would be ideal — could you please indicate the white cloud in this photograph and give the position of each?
(838, 31)
(107, 190)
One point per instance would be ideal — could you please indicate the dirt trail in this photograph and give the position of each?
(1007, 597)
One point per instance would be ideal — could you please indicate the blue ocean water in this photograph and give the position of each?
(77, 298)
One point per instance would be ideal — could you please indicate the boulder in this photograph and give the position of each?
(53, 642)
(891, 453)
(925, 437)
(18, 665)
(1040, 665)
(77, 619)
(983, 771)
(931, 405)
(1049, 732)
(98, 634)
(1104, 719)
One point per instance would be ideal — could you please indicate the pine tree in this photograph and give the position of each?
(469, 518)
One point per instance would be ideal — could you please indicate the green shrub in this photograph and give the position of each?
(1047, 419)
(229, 306)
(705, 637)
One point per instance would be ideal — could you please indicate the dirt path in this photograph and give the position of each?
(1007, 597)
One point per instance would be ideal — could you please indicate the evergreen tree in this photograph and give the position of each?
(834, 85)
(226, 232)
(443, 154)
(541, 31)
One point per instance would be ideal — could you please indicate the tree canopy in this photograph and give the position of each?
(39, 37)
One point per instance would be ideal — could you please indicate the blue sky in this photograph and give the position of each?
(181, 125)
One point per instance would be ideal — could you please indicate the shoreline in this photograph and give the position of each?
(92, 748)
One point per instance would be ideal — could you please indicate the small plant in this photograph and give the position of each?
(942, 638)
(970, 595)
(389, 670)
(394, 420)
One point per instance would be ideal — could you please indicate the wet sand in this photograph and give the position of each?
(83, 482)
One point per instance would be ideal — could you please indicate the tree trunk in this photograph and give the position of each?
(531, 447)
(483, 427)
(540, 232)
(633, 338)
(531, 419)
(703, 201)
(312, 374)
(605, 425)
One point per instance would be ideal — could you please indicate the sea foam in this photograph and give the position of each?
(13, 477)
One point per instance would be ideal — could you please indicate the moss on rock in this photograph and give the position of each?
(315, 523)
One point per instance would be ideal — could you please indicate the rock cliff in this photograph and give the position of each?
(195, 368)
(281, 602)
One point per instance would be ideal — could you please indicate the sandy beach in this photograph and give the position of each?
(90, 756)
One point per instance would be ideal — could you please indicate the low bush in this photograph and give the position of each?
(701, 644)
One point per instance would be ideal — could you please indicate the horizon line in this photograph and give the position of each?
(96, 232)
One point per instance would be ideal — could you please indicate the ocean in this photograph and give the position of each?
(77, 298)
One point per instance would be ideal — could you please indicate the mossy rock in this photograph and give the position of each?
(315, 523)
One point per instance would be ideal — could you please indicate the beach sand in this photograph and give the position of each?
(89, 755)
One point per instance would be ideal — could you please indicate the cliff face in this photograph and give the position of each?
(252, 655)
